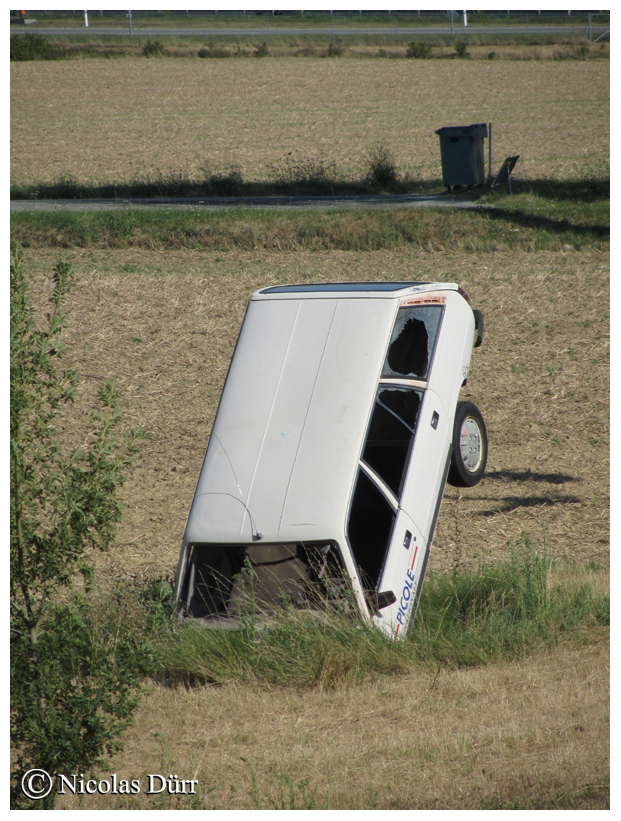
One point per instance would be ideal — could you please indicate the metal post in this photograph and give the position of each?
(465, 19)
(490, 151)
(130, 24)
(589, 27)
(452, 31)
(85, 19)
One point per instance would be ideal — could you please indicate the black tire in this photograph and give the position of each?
(470, 451)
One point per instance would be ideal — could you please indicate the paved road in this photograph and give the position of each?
(409, 31)
(277, 203)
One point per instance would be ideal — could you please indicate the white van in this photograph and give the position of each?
(336, 430)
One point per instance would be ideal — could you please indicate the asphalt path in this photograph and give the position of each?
(275, 203)
(409, 31)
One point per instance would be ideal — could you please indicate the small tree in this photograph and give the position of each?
(71, 692)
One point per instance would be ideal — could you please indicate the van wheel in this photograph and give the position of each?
(469, 446)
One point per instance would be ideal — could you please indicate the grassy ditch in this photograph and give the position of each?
(529, 223)
(500, 612)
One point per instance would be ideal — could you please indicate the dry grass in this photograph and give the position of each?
(99, 120)
(533, 735)
(163, 324)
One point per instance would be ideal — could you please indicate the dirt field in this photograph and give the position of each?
(164, 324)
(99, 120)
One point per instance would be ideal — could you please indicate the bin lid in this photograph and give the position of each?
(478, 131)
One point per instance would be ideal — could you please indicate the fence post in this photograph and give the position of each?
(489, 146)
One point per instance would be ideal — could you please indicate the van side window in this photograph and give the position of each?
(390, 434)
(369, 529)
(413, 339)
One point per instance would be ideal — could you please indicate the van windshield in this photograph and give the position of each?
(412, 342)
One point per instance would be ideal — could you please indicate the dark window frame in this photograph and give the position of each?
(412, 435)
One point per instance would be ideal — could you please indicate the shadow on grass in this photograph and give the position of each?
(548, 224)
(585, 189)
(229, 185)
(507, 504)
(529, 476)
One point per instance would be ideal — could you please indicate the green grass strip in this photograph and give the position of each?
(500, 612)
(352, 229)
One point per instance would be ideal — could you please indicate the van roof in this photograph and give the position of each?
(358, 289)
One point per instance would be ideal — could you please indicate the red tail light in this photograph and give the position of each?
(464, 294)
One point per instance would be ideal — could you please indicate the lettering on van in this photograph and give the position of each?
(408, 594)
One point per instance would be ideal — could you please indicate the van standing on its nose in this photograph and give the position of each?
(337, 429)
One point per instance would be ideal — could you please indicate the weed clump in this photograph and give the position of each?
(216, 52)
(262, 50)
(153, 48)
(312, 175)
(419, 49)
(381, 165)
(461, 50)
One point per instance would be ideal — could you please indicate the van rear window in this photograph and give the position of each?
(412, 342)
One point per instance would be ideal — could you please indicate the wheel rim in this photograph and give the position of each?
(470, 444)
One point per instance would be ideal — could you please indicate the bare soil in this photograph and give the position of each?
(108, 120)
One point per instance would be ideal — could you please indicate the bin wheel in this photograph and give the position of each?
(469, 446)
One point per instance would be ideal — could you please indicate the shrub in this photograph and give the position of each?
(34, 47)
(461, 49)
(70, 694)
(381, 164)
(419, 49)
(492, 55)
(262, 50)
(153, 48)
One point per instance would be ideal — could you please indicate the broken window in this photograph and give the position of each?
(369, 529)
(412, 342)
(390, 435)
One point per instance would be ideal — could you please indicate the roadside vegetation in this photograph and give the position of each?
(524, 221)
(274, 43)
(33, 46)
